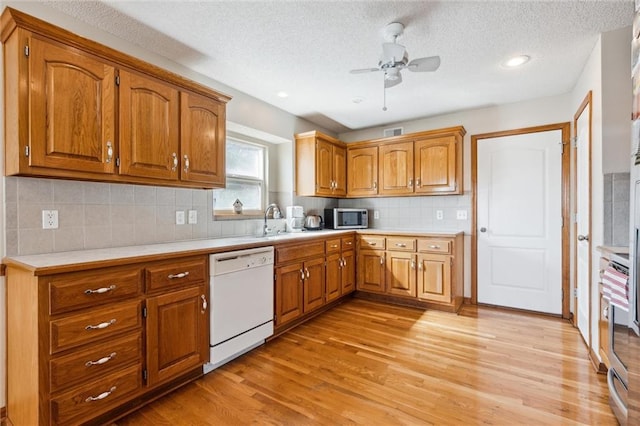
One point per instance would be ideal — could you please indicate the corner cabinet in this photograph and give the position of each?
(84, 111)
(90, 345)
(320, 165)
(420, 270)
(424, 163)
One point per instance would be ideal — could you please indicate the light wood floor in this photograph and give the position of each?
(373, 364)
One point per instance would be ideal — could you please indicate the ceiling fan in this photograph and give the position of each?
(394, 59)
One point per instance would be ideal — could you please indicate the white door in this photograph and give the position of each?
(519, 218)
(583, 224)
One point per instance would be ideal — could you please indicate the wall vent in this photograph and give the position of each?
(396, 131)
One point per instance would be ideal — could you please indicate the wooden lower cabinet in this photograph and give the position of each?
(101, 339)
(425, 270)
(310, 275)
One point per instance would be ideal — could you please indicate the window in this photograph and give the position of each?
(246, 171)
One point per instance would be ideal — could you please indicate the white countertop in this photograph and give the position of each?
(95, 257)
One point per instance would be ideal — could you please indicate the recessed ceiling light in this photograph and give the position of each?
(282, 94)
(516, 61)
(357, 99)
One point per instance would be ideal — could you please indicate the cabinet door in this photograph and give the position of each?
(348, 276)
(324, 167)
(333, 280)
(435, 165)
(202, 140)
(314, 284)
(371, 268)
(434, 277)
(177, 333)
(149, 127)
(339, 170)
(288, 303)
(396, 168)
(362, 169)
(72, 110)
(401, 273)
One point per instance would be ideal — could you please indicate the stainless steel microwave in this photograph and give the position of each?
(344, 218)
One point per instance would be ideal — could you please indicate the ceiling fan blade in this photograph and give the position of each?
(430, 63)
(390, 83)
(363, 70)
(392, 52)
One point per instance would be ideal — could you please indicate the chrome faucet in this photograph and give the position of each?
(275, 209)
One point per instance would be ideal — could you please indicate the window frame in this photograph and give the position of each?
(246, 214)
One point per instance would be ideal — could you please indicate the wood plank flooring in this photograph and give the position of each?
(374, 364)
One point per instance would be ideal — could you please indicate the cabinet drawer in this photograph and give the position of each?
(82, 289)
(348, 243)
(95, 325)
(401, 244)
(372, 242)
(95, 398)
(434, 246)
(176, 273)
(333, 245)
(89, 364)
(288, 253)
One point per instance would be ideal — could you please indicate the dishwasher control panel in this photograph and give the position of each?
(224, 263)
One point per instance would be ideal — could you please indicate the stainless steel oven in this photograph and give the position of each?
(620, 317)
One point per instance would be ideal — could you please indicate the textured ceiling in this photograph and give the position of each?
(306, 48)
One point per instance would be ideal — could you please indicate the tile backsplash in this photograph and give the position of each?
(616, 209)
(99, 215)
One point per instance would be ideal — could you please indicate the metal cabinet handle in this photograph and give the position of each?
(371, 243)
(334, 246)
(401, 245)
(204, 303)
(419, 266)
(418, 183)
(375, 185)
(109, 152)
(301, 274)
(307, 271)
(186, 163)
(382, 260)
(180, 275)
(101, 325)
(349, 243)
(103, 395)
(435, 247)
(413, 264)
(583, 238)
(410, 185)
(100, 290)
(175, 162)
(101, 360)
(344, 262)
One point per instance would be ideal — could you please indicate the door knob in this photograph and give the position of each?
(483, 229)
(583, 238)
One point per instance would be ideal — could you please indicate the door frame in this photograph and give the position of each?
(565, 128)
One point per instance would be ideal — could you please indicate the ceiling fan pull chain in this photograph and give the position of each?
(384, 95)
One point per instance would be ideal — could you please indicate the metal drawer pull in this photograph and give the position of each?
(334, 246)
(434, 247)
(101, 360)
(175, 162)
(401, 245)
(180, 275)
(101, 325)
(103, 395)
(371, 243)
(301, 274)
(413, 264)
(100, 290)
(186, 163)
(109, 152)
(307, 271)
(382, 260)
(204, 303)
(344, 262)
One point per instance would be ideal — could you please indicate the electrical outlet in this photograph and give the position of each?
(439, 214)
(193, 217)
(49, 219)
(376, 214)
(461, 214)
(180, 217)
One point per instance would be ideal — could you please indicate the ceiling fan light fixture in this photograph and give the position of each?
(516, 61)
(282, 94)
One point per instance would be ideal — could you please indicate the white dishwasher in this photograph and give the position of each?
(241, 287)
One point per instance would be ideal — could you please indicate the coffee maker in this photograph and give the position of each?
(295, 219)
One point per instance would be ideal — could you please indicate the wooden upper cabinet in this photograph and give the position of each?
(362, 169)
(202, 139)
(396, 168)
(438, 165)
(320, 165)
(149, 127)
(68, 118)
(72, 109)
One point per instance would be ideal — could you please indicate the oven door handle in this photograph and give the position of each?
(613, 393)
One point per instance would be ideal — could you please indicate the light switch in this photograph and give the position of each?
(180, 217)
(439, 214)
(193, 217)
(461, 214)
